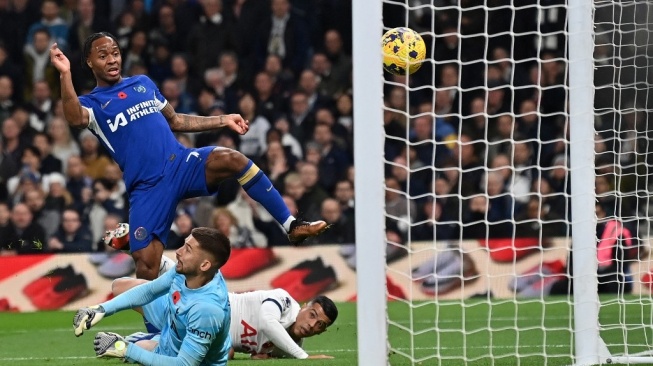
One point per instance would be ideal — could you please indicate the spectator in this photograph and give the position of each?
(41, 106)
(334, 160)
(166, 33)
(181, 229)
(209, 38)
(72, 236)
(52, 23)
(345, 113)
(7, 102)
(309, 83)
(160, 62)
(306, 207)
(6, 229)
(276, 163)
(8, 168)
(49, 163)
(86, 23)
(136, 51)
(225, 221)
(396, 203)
(63, 144)
(253, 143)
(344, 194)
(269, 103)
(30, 172)
(181, 102)
(13, 71)
(341, 64)
(310, 177)
(78, 183)
(37, 64)
(58, 196)
(94, 162)
(283, 80)
(48, 218)
(188, 83)
(300, 116)
(282, 124)
(25, 235)
(284, 34)
(341, 230)
(233, 79)
(429, 226)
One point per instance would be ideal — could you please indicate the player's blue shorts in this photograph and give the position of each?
(152, 207)
(156, 312)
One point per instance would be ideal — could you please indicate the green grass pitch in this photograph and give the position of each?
(526, 333)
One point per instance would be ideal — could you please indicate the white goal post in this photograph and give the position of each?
(564, 276)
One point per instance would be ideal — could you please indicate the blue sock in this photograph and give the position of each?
(258, 186)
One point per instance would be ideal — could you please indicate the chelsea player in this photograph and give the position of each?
(135, 124)
(197, 320)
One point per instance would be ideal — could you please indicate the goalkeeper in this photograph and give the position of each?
(196, 330)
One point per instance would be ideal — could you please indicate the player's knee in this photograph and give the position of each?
(147, 269)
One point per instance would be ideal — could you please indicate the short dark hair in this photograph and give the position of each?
(214, 242)
(89, 41)
(328, 306)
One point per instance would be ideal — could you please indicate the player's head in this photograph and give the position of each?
(314, 317)
(205, 250)
(102, 56)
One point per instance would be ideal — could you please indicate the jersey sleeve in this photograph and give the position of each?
(86, 103)
(140, 295)
(160, 100)
(204, 325)
(270, 324)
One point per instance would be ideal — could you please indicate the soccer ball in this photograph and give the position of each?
(403, 50)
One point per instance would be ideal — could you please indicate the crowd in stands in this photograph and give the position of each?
(486, 119)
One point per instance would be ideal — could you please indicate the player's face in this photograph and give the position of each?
(191, 259)
(310, 321)
(105, 61)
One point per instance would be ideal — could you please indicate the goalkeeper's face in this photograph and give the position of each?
(191, 258)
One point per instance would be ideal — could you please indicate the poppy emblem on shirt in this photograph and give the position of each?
(122, 95)
(140, 89)
(176, 296)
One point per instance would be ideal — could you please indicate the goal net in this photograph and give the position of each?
(512, 171)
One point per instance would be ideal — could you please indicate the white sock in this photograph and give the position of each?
(166, 265)
(286, 225)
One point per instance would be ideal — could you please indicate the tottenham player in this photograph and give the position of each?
(195, 329)
(264, 324)
(135, 124)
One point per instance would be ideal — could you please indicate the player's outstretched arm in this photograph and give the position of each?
(72, 109)
(204, 325)
(189, 123)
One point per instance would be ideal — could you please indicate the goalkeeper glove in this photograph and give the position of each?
(107, 344)
(85, 318)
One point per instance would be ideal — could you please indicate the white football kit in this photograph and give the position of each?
(259, 322)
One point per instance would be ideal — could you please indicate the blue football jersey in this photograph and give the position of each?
(127, 120)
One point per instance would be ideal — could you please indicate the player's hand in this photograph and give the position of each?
(58, 59)
(320, 357)
(260, 356)
(107, 344)
(236, 123)
(85, 318)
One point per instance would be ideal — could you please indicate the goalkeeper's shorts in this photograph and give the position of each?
(155, 312)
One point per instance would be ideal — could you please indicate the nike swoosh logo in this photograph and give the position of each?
(269, 189)
(194, 153)
(106, 104)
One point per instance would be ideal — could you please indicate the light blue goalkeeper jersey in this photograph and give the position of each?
(197, 328)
